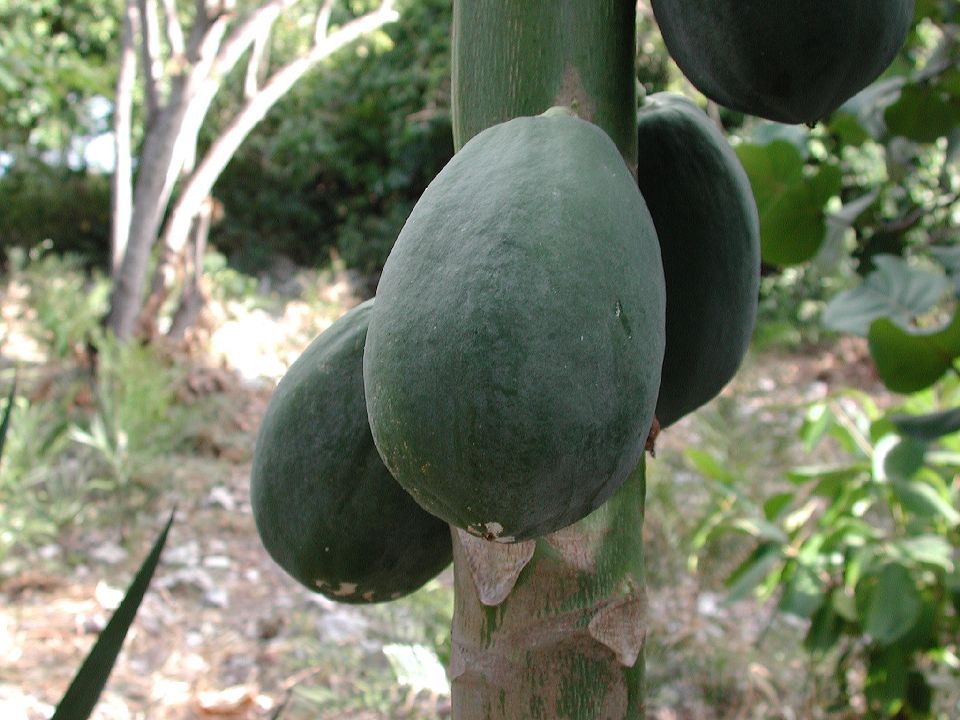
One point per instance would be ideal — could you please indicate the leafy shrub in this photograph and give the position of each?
(865, 548)
(68, 208)
(40, 485)
(64, 302)
(75, 433)
(134, 420)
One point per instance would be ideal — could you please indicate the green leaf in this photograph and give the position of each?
(895, 289)
(760, 529)
(896, 457)
(928, 428)
(804, 592)
(5, 422)
(84, 692)
(844, 604)
(824, 631)
(924, 501)
(753, 570)
(848, 531)
(911, 361)
(924, 113)
(774, 505)
(793, 228)
(893, 606)
(708, 466)
(790, 200)
(832, 473)
(848, 128)
(919, 693)
(815, 425)
(926, 549)
(887, 681)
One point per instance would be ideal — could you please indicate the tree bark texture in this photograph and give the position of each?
(554, 628)
(564, 641)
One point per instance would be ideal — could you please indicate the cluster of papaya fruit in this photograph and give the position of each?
(541, 312)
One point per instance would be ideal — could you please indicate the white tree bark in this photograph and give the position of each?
(150, 57)
(191, 75)
(121, 191)
(198, 184)
(158, 168)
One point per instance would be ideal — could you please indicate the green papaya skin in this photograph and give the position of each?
(326, 508)
(513, 357)
(709, 233)
(793, 61)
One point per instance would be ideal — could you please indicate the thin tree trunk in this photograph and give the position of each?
(169, 141)
(159, 165)
(193, 298)
(148, 205)
(199, 184)
(150, 57)
(554, 628)
(121, 194)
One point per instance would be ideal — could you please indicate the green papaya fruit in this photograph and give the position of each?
(709, 233)
(326, 508)
(513, 358)
(793, 61)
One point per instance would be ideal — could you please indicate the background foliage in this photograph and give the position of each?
(852, 533)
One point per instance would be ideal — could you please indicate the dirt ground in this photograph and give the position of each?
(221, 632)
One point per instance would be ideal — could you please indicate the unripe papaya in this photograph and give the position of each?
(513, 358)
(326, 508)
(793, 61)
(709, 233)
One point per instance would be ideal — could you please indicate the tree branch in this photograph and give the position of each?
(121, 189)
(246, 33)
(323, 22)
(150, 57)
(257, 65)
(201, 182)
(174, 31)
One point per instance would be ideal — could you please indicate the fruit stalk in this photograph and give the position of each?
(554, 627)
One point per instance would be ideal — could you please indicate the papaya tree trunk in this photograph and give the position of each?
(552, 628)
(520, 58)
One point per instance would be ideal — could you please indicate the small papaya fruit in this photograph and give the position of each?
(793, 61)
(709, 233)
(513, 358)
(326, 508)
